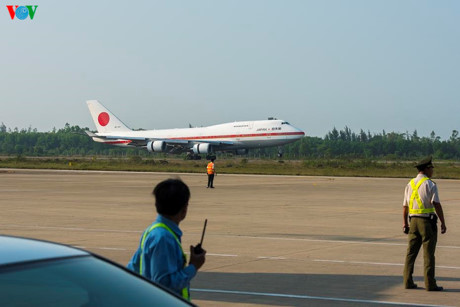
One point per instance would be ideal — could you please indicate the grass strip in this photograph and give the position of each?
(317, 167)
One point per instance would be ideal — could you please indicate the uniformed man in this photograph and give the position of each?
(160, 256)
(211, 171)
(422, 208)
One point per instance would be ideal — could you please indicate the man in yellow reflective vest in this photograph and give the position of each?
(211, 171)
(160, 256)
(422, 207)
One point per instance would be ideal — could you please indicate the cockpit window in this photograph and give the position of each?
(284, 123)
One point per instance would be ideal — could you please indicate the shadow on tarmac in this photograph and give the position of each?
(313, 289)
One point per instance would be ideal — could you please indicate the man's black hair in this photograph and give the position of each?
(171, 196)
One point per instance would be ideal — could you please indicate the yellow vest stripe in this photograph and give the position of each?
(185, 293)
(421, 208)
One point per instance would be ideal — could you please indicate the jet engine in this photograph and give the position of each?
(156, 146)
(203, 148)
(242, 151)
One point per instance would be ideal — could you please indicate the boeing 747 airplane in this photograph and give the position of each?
(237, 137)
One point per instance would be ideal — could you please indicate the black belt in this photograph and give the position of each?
(431, 217)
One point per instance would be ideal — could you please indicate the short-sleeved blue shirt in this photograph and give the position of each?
(163, 258)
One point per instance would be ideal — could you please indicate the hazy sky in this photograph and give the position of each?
(372, 65)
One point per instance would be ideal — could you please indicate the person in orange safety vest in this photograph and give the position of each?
(211, 171)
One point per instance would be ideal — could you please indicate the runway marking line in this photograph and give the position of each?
(308, 297)
(220, 255)
(71, 228)
(103, 248)
(327, 241)
(220, 235)
(380, 263)
(282, 258)
(271, 258)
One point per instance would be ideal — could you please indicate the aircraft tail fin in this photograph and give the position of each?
(104, 120)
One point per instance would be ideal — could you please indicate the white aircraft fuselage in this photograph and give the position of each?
(236, 136)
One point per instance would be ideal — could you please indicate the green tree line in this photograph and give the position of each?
(347, 144)
(72, 141)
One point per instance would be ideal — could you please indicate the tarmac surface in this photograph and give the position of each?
(270, 240)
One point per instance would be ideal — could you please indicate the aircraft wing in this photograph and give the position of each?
(215, 143)
(109, 139)
(142, 141)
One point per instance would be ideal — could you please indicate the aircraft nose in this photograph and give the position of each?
(299, 133)
(302, 133)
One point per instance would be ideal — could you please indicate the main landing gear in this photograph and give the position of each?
(191, 156)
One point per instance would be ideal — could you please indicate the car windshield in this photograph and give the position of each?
(83, 282)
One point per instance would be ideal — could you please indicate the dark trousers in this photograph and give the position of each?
(210, 180)
(422, 232)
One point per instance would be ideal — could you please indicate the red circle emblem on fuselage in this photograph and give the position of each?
(103, 119)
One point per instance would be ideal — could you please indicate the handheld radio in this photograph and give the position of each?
(198, 249)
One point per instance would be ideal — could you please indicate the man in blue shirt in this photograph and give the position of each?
(160, 256)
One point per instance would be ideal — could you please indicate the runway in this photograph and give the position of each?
(270, 241)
